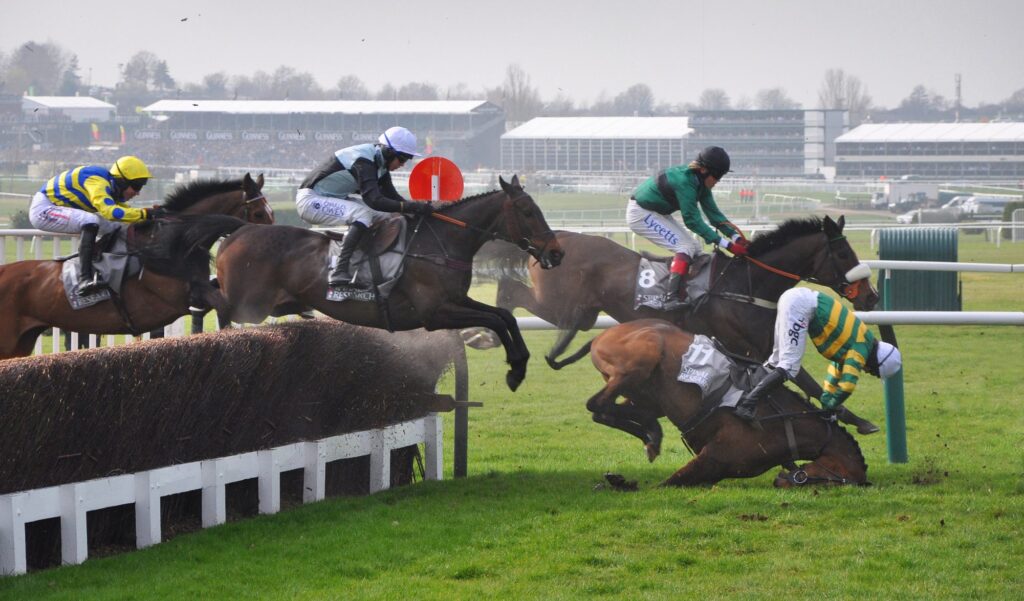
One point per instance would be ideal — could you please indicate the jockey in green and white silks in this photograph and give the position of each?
(684, 188)
(353, 187)
(837, 334)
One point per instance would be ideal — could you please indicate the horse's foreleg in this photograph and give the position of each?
(636, 422)
(564, 338)
(702, 469)
(472, 313)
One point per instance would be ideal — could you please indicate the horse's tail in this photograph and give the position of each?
(573, 358)
(172, 246)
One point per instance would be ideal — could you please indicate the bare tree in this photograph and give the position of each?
(1015, 103)
(560, 106)
(638, 99)
(137, 73)
(774, 99)
(744, 103)
(713, 99)
(418, 91)
(70, 81)
(215, 85)
(162, 79)
(287, 83)
(520, 100)
(387, 92)
(350, 87)
(841, 91)
(36, 69)
(461, 91)
(922, 104)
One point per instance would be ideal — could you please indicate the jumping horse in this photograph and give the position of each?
(282, 270)
(739, 310)
(32, 296)
(640, 361)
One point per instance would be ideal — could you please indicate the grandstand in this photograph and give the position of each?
(297, 134)
(592, 145)
(932, 150)
(772, 143)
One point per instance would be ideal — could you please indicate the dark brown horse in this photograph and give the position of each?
(600, 275)
(32, 295)
(279, 270)
(640, 361)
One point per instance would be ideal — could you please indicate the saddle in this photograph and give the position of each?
(382, 237)
(112, 263)
(652, 280)
(722, 375)
(377, 261)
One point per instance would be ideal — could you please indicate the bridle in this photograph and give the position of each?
(248, 208)
(846, 289)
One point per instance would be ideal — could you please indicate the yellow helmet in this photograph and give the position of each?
(130, 168)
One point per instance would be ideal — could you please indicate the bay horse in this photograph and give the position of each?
(279, 270)
(640, 361)
(32, 294)
(600, 275)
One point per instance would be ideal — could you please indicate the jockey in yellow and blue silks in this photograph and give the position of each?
(687, 189)
(839, 337)
(90, 200)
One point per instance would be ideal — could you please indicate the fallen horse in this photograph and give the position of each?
(641, 360)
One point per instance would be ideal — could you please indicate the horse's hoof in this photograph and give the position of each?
(514, 380)
(653, 450)
(867, 428)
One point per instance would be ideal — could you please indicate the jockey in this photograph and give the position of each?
(837, 334)
(90, 199)
(353, 187)
(686, 189)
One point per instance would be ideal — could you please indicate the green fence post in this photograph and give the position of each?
(895, 410)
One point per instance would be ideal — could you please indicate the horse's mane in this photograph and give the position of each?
(180, 245)
(464, 199)
(186, 195)
(785, 233)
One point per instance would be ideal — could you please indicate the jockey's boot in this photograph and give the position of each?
(88, 282)
(747, 405)
(675, 295)
(340, 274)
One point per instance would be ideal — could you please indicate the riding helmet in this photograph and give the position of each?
(889, 359)
(715, 159)
(399, 139)
(132, 170)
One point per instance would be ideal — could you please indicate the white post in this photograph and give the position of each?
(147, 511)
(74, 545)
(269, 482)
(435, 187)
(214, 494)
(314, 476)
(433, 447)
(380, 463)
(12, 536)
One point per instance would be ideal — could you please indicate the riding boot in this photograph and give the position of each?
(747, 405)
(88, 282)
(675, 295)
(340, 274)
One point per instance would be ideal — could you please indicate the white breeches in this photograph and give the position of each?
(662, 230)
(327, 210)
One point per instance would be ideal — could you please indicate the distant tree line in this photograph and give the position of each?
(47, 69)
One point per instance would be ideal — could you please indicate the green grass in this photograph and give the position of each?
(533, 521)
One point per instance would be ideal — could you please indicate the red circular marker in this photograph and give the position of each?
(449, 179)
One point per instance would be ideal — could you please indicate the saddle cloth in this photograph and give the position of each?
(721, 378)
(652, 282)
(114, 266)
(390, 255)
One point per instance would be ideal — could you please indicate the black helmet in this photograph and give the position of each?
(715, 159)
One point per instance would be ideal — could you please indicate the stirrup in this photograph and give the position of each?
(90, 287)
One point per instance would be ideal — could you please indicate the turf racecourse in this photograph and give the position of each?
(533, 521)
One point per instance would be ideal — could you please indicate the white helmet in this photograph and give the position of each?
(399, 139)
(889, 359)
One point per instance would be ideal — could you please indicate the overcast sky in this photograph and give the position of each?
(579, 48)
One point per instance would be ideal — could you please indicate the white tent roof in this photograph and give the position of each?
(350, 107)
(935, 132)
(65, 102)
(602, 128)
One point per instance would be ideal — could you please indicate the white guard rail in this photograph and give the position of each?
(72, 502)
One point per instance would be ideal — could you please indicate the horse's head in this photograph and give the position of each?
(238, 198)
(524, 225)
(842, 270)
(817, 251)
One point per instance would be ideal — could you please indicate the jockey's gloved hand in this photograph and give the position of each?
(740, 246)
(418, 208)
(156, 213)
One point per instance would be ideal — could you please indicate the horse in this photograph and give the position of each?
(739, 310)
(32, 295)
(640, 360)
(280, 270)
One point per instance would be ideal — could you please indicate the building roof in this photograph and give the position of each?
(602, 128)
(351, 107)
(65, 102)
(935, 132)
